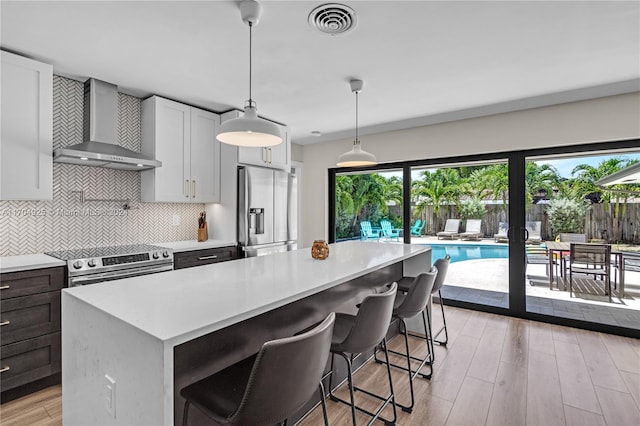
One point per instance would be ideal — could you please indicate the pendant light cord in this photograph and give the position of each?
(357, 141)
(250, 64)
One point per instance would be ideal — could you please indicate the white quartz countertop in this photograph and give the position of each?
(180, 305)
(27, 262)
(189, 245)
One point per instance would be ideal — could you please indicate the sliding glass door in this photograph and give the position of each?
(368, 206)
(507, 222)
(462, 210)
(573, 210)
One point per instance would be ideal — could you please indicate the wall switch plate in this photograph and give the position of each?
(175, 220)
(110, 395)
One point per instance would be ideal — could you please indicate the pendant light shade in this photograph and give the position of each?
(357, 157)
(250, 130)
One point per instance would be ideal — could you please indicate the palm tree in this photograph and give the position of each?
(587, 175)
(491, 181)
(436, 189)
(393, 189)
(538, 177)
(355, 192)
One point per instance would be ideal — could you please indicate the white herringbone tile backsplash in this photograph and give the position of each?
(65, 223)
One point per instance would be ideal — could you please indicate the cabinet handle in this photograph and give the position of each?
(7, 368)
(269, 154)
(186, 188)
(265, 158)
(193, 187)
(5, 323)
(5, 287)
(208, 257)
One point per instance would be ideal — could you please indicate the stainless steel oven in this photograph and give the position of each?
(99, 264)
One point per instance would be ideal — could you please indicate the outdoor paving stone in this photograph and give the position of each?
(491, 286)
(572, 315)
(546, 310)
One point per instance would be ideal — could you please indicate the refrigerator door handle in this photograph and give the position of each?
(252, 222)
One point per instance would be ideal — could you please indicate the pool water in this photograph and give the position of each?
(459, 253)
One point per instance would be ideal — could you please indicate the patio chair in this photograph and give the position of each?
(591, 259)
(450, 229)
(630, 261)
(533, 229)
(388, 231)
(417, 228)
(572, 238)
(537, 255)
(472, 230)
(367, 232)
(569, 237)
(502, 235)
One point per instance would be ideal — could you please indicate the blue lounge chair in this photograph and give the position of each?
(417, 228)
(388, 231)
(366, 232)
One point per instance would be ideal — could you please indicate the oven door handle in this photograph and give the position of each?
(114, 275)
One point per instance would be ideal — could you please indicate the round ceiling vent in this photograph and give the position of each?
(333, 18)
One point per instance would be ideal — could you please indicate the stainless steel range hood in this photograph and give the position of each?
(100, 147)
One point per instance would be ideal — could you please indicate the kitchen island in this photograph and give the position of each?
(128, 346)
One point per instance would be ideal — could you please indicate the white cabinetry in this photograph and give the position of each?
(275, 157)
(26, 140)
(184, 139)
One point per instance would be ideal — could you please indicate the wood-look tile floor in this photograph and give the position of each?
(495, 370)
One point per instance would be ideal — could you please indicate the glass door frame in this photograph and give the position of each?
(517, 209)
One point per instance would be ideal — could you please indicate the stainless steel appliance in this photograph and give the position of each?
(98, 264)
(100, 147)
(267, 211)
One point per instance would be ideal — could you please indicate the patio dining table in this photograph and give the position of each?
(562, 248)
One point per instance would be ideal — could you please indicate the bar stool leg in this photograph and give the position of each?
(350, 382)
(185, 414)
(352, 389)
(324, 404)
(427, 360)
(444, 327)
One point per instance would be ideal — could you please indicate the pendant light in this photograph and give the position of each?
(357, 157)
(250, 130)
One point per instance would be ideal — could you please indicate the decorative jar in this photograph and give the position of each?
(320, 249)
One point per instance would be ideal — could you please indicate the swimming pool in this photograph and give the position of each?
(462, 252)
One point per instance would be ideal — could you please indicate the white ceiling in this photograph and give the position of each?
(422, 61)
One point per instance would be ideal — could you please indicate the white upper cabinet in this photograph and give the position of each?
(184, 139)
(275, 157)
(26, 139)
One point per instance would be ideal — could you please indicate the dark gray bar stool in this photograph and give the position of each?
(268, 388)
(408, 305)
(361, 333)
(405, 284)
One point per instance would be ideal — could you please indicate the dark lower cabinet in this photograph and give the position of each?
(30, 319)
(30, 360)
(188, 259)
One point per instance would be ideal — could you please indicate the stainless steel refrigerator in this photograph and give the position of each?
(267, 211)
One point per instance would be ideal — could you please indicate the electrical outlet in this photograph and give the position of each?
(110, 395)
(175, 220)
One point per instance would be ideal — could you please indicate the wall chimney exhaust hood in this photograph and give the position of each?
(100, 147)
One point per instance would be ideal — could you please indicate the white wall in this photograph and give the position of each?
(604, 119)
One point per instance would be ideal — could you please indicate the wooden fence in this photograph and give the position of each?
(598, 223)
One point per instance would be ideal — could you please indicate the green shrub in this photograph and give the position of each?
(472, 209)
(566, 215)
